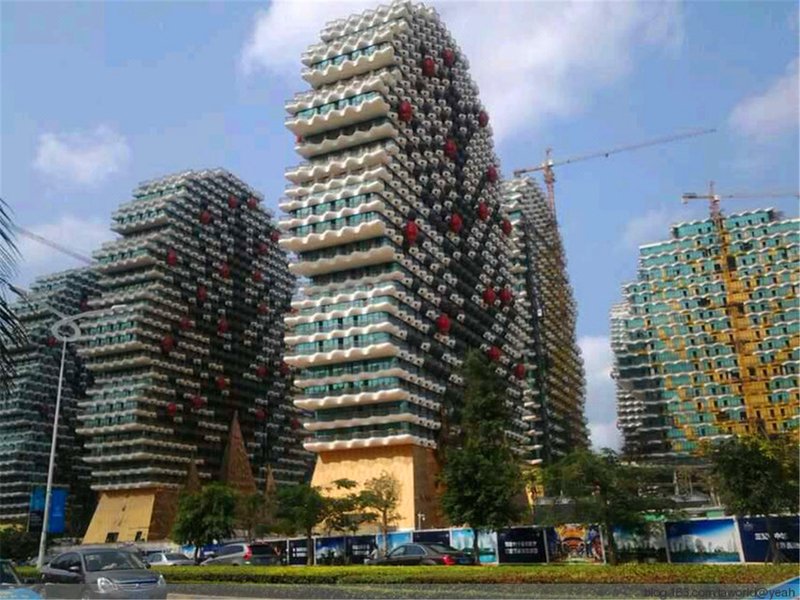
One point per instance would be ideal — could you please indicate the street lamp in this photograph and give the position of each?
(420, 519)
(65, 330)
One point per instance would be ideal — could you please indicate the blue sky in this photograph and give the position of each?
(98, 97)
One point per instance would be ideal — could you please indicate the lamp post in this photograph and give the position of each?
(420, 519)
(65, 330)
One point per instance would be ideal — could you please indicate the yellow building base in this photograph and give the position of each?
(416, 469)
(132, 515)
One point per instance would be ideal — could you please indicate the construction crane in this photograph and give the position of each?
(55, 246)
(714, 198)
(547, 166)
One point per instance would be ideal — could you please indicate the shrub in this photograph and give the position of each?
(517, 574)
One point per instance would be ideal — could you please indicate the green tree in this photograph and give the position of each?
(482, 478)
(251, 514)
(11, 333)
(205, 516)
(300, 509)
(344, 511)
(380, 499)
(600, 488)
(758, 475)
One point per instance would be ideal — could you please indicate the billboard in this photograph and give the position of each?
(461, 539)
(575, 543)
(755, 538)
(432, 536)
(521, 545)
(649, 545)
(703, 541)
(395, 538)
(298, 551)
(359, 548)
(330, 550)
(58, 510)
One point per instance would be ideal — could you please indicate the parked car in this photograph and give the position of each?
(101, 573)
(242, 553)
(423, 554)
(168, 559)
(14, 586)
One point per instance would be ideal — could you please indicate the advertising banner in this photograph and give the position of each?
(646, 546)
(702, 541)
(58, 510)
(395, 539)
(359, 548)
(330, 550)
(298, 552)
(461, 539)
(575, 543)
(755, 538)
(521, 545)
(432, 536)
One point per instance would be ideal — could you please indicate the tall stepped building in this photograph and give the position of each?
(556, 377)
(709, 341)
(191, 339)
(27, 407)
(397, 220)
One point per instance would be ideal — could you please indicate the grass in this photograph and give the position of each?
(507, 574)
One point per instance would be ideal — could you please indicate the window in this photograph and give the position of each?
(399, 551)
(112, 537)
(415, 551)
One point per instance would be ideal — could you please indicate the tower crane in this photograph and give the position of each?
(547, 166)
(714, 198)
(55, 246)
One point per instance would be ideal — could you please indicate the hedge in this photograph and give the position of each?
(572, 574)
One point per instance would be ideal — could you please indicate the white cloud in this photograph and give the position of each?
(650, 227)
(84, 158)
(80, 235)
(772, 113)
(601, 406)
(532, 60)
(282, 31)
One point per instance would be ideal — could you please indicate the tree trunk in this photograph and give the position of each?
(309, 547)
(774, 553)
(612, 545)
(196, 552)
(385, 530)
(476, 548)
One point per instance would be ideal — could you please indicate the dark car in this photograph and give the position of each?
(12, 585)
(101, 573)
(423, 554)
(242, 553)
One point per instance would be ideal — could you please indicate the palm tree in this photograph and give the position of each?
(11, 333)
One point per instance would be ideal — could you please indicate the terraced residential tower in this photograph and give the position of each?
(707, 342)
(407, 257)
(188, 353)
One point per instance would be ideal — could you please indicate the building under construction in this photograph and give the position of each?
(398, 221)
(707, 340)
(27, 404)
(556, 395)
(189, 347)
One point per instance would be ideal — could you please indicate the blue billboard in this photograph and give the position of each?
(703, 541)
(58, 510)
(755, 537)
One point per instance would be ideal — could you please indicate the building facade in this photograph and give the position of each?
(397, 221)
(189, 347)
(27, 407)
(556, 377)
(707, 345)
